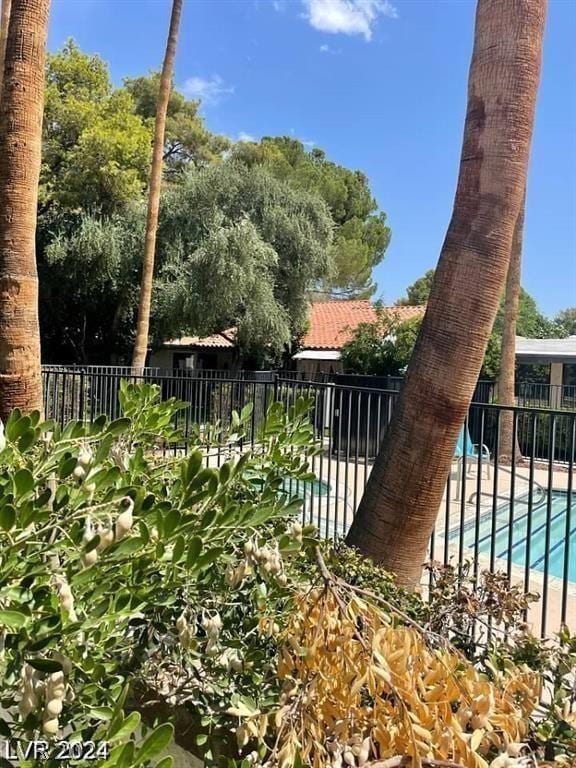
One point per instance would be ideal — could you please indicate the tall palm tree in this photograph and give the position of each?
(21, 108)
(143, 324)
(508, 442)
(4, 19)
(403, 496)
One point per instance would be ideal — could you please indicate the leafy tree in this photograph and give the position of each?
(147, 588)
(188, 141)
(381, 348)
(418, 292)
(235, 247)
(97, 138)
(361, 234)
(566, 321)
(240, 247)
(384, 347)
(96, 148)
(531, 322)
(94, 263)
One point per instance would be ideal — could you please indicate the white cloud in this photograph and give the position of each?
(351, 17)
(279, 5)
(209, 90)
(324, 48)
(243, 136)
(308, 144)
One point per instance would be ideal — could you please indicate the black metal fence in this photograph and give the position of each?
(514, 515)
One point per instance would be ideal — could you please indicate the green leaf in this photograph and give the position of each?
(118, 426)
(225, 473)
(206, 560)
(191, 467)
(121, 700)
(42, 642)
(17, 426)
(125, 727)
(171, 522)
(201, 738)
(166, 762)
(126, 758)
(246, 411)
(155, 743)
(127, 547)
(12, 619)
(66, 466)
(101, 713)
(23, 481)
(27, 440)
(202, 478)
(194, 548)
(7, 517)
(45, 665)
(179, 547)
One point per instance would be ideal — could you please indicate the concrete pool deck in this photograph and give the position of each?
(332, 512)
(333, 515)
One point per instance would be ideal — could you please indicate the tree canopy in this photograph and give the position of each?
(241, 247)
(97, 138)
(418, 292)
(188, 141)
(566, 321)
(248, 233)
(361, 234)
(236, 247)
(383, 347)
(96, 148)
(531, 322)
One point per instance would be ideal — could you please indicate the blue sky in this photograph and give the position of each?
(380, 85)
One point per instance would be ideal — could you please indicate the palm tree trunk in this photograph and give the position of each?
(404, 492)
(143, 324)
(4, 20)
(509, 449)
(21, 109)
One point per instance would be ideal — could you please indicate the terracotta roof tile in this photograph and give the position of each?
(226, 339)
(332, 323)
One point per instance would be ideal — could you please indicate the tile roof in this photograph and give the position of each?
(332, 323)
(224, 340)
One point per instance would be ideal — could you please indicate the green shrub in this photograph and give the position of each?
(116, 559)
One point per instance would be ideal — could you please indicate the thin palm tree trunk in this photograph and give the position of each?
(143, 323)
(21, 110)
(509, 450)
(402, 499)
(4, 20)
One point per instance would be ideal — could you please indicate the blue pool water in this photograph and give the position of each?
(306, 488)
(497, 536)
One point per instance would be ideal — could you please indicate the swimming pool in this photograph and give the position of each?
(494, 535)
(306, 488)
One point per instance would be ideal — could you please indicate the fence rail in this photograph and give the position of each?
(515, 515)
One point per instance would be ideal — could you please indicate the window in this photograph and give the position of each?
(569, 385)
(569, 375)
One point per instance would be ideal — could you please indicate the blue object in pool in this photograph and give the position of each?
(549, 514)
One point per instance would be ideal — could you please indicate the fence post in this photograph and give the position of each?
(276, 377)
(81, 404)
